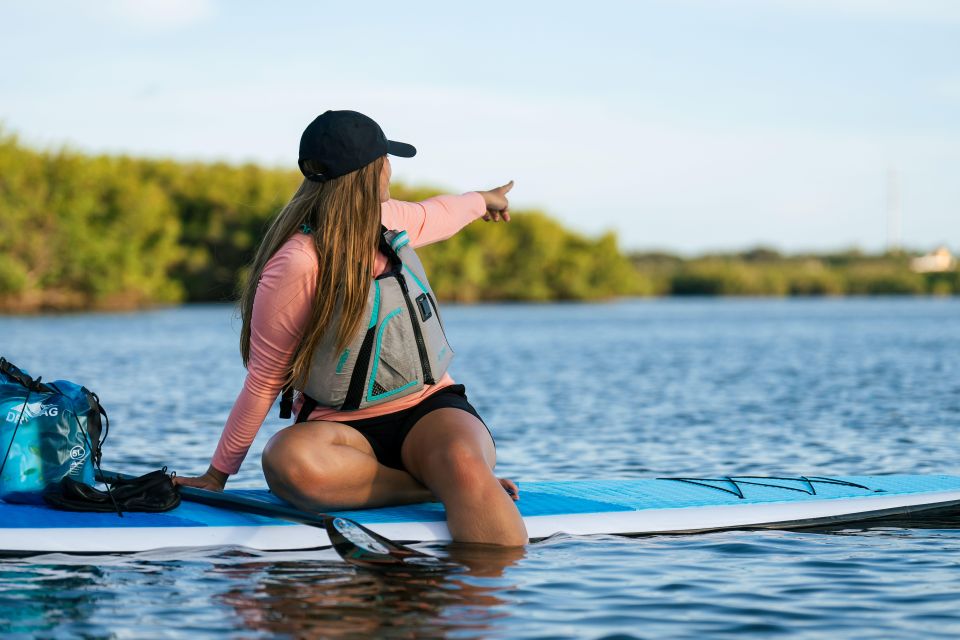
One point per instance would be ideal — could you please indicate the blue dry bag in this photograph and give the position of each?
(48, 431)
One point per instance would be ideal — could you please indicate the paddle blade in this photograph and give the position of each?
(358, 545)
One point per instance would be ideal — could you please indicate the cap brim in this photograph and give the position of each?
(401, 149)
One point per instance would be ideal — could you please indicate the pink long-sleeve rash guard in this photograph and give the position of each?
(282, 306)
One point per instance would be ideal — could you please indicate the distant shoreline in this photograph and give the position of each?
(113, 233)
(765, 272)
(48, 311)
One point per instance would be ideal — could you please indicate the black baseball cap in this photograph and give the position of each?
(344, 141)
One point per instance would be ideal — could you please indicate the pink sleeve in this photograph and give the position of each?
(433, 219)
(280, 311)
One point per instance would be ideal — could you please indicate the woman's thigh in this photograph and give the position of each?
(317, 454)
(312, 440)
(443, 440)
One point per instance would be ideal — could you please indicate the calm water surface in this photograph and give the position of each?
(631, 389)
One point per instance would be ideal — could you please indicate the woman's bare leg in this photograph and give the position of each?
(327, 465)
(452, 453)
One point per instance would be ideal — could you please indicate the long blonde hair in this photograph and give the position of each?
(344, 215)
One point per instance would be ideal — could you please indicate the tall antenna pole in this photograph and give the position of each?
(893, 210)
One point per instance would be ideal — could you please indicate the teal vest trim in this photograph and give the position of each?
(402, 347)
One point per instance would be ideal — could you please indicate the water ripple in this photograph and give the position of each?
(572, 391)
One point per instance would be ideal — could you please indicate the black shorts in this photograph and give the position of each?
(386, 433)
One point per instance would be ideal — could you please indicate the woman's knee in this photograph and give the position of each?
(458, 464)
(292, 470)
(288, 463)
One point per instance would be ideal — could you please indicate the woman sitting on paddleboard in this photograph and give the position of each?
(337, 306)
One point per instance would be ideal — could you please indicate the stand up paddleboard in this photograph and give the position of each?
(628, 507)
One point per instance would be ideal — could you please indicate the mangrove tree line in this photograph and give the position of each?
(82, 231)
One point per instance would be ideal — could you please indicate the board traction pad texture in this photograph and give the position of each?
(536, 499)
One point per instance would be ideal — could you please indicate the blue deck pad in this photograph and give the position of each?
(607, 496)
(532, 503)
(536, 499)
(188, 514)
(672, 494)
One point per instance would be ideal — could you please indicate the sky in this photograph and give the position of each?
(682, 125)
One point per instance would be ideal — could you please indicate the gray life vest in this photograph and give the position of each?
(399, 348)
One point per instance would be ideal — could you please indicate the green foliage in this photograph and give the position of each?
(763, 272)
(943, 284)
(13, 275)
(530, 258)
(80, 231)
(223, 211)
(813, 279)
(727, 278)
(881, 279)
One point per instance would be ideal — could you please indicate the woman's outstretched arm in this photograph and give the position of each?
(440, 217)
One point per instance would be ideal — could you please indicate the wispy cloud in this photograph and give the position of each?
(949, 88)
(936, 11)
(160, 14)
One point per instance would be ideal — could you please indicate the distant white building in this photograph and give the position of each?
(937, 261)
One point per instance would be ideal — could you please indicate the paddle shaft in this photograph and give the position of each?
(239, 503)
(252, 505)
(385, 552)
(391, 553)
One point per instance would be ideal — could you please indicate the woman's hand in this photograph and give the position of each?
(212, 480)
(510, 487)
(498, 207)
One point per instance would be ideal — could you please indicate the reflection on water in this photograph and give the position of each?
(314, 600)
(571, 391)
(898, 581)
(294, 594)
(35, 598)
